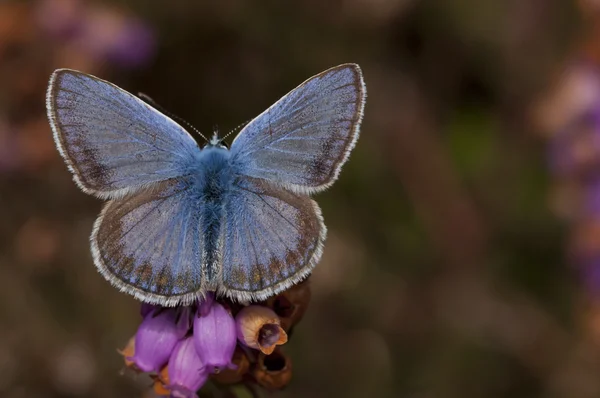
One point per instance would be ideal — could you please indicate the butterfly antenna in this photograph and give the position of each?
(235, 130)
(150, 101)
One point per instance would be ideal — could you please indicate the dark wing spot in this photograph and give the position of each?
(163, 284)
(126, 268)
(143, 273)
(275, 267)
(239, 277)
(292, 258)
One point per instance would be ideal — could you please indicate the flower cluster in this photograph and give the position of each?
(181, 348)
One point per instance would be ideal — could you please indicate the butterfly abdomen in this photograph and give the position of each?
(215, 181)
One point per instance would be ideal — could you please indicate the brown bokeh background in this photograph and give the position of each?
(444, 273)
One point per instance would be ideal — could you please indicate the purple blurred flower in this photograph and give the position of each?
(123, 40)
(98, 31)
(133, 45)
(591, 199)
(214, 334)
(186, 371)
(589, 269)
(61, 19)
(573, 118)
(157, 336)
(575, 150)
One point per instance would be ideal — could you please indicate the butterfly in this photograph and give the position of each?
(181, 220)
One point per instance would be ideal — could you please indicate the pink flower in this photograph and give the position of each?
(157, 336)
(214, 334)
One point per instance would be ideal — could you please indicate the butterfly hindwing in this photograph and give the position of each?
(271, 239)
(302, 141)
(149, 244)
(113, 142)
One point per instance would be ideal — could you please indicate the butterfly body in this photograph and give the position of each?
(182, 220)
(213, 183)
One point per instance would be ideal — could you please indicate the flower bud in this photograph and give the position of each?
(259, 328)
(157, 336)
(214, 335)
(186, 371)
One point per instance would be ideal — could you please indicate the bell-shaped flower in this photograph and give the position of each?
(186, 372)
(260, 328)
(214, 335)
(273, 372)
(157, 336)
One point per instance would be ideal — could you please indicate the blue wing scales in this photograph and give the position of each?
(302, 141)
(149, 244)
(113, 142)
(271, 238)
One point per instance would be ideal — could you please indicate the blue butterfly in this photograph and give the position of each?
(181, 220)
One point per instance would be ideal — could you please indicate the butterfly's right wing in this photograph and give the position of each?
(113, 142)
(148, 244)
(302, 141)
(271, 239)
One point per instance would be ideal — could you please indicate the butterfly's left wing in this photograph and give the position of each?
(148, 243)
(302, 141)
(113, 142)
(271, 239)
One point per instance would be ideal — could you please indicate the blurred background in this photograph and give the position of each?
(463, 258)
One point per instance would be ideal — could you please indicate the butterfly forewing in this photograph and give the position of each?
(113, 142)
(302, 141)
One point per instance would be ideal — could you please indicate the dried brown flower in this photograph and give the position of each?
(259, 328)
(274, 371)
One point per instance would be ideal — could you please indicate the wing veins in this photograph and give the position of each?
(106, 127)
(256, 263)
(170, 243)
(261, 144)
(275, 231)
(274, 209)
(113, 107)
(162, 200)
